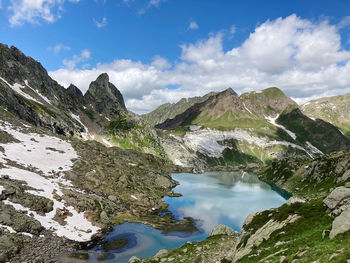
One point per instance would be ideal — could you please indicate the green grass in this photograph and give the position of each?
(304, 234)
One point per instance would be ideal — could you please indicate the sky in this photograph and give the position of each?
(158, 51)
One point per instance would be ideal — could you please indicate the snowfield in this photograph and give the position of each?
(50, 157)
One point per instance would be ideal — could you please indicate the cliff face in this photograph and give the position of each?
(105, 98)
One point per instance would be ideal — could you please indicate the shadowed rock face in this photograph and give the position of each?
(50, 103)
(75, 94)
(104, 97)
(214, 106)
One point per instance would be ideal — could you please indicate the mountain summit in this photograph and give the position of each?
(104, 97)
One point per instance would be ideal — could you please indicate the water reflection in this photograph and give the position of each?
(221, 198)
(210, 198)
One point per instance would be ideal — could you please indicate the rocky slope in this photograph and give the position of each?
(255, 127)
(335, 110)
(27, 91)
(61, 182)
(313, 226)
(170, 110)
(52, 187)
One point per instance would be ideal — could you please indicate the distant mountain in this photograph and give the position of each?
(335, 110)
(228, 129)
(170, 110)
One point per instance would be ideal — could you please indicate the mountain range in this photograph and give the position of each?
(72, 164)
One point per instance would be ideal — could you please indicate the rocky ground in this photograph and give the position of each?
(54, 190)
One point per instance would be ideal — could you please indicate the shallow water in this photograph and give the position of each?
(210, 198)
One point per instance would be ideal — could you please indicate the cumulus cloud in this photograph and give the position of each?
(58, 48)
(33, 11)
(193, 25)
(303, 58)
(84, 56)
(102, 23)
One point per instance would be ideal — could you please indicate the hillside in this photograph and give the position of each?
(28, 92)
(335, 110)
(170, 110)
(255, 127)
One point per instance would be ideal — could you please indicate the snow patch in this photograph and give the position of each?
(134, 197)
(10, 229)
(273, 122)
(77, 118)
(313, 148)
(1, 189)
(106, 142)
(194, 127)
(46, 156)
(247, 108)
(18, 88)
(37, 92)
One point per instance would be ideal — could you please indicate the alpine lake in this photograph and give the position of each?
(209, 198)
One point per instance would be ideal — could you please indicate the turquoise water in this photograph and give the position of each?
(210, 198)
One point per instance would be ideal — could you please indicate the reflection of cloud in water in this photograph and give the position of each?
(225, 197)
(212, 199)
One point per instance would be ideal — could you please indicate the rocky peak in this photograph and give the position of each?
(268, 102)
(75, 93)
(228, 92)
(104, 97)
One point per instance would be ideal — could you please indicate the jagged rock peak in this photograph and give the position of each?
(229, 91)
(75, 93)
(104, 97)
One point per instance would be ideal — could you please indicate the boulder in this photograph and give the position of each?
(337, 195)
(341, 224)
(344, 177)
(133, 259)
(162, 182)
(161, 253)
(223, 230)
(294, 200)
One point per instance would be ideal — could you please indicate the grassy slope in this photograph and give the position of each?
(170, 110)
(335, 110)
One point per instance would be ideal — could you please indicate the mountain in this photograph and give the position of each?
(105, 98)
(255, 127)
(61, 182)
(170, 110)
(335, 110)
(28, 92)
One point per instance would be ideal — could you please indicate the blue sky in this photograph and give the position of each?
(160, 50)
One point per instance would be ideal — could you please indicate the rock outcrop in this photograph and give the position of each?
(223, 230)
(105, 98)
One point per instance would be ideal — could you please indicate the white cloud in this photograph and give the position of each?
(58, 48)
(84, 55)
(150, 4)
(33, 11)
(155, 2)
(193, 25)
(305, 59)
(101, 24)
